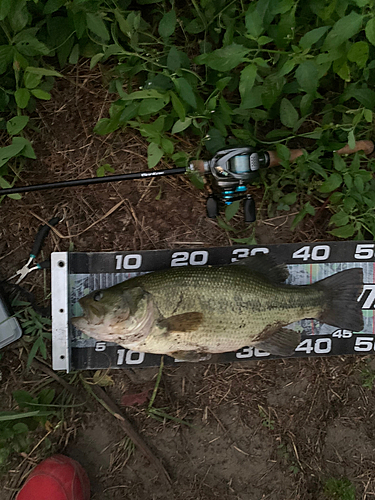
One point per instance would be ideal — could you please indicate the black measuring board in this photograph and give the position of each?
(306, 263)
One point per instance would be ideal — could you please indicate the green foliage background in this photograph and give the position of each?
(226, 72)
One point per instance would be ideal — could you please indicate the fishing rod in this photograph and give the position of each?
(230, 171)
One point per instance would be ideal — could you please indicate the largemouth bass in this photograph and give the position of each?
(191, 312)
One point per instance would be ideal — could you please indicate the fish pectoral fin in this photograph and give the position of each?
(277, 340)
(187, 322)
(191, 356)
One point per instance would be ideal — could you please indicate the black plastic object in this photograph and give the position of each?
(212, 207)
(41, 236)
(249, 209)
(46, 264)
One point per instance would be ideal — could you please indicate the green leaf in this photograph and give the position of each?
(348, 179)
(52, 6)
(223, 82)
(9, 152)
(307, 77)
(173, 59)
(4, 184)
(227, 227)
(224, 59)
(349, 204)
(181, 159)
(359, 53)
(312, 37)
(167, 146)
(179, 126)
(195, 26)
(154, 154)
(167, 24)
(289, 199)
(74, 55)
(106, 126)
(46, 396)
(351, 139)
(31, 46)
(333, 182)
(5, 6)
(339, 162)
(288, 113)
(16, 124)
(247, 80)
(339, 219)
(195, 178)
(368, 115)
(271, 89)
(315, 167)
(23, 398)
(96, 24)
(186, 92)
(42, 71)
(231, 210)
(6, 416)
(365, 96)
(41, 94)
(370, 30)
(178, 106)
(308, 209)
(18, 15)
(31, 81)
(151, 106)
(342, 70)
(144, 94)
(306, 103)
(283, 153)
(6, 57)
(20, 428)
(342, 30)
(95, 59)
(359, 184)
(101, 171)
(287, 67)
(25, 146)
(344, 231)
(22, 97)
(254, 22)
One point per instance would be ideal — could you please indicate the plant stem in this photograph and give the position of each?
(158, 378)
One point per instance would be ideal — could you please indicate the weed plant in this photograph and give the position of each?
(262, 73)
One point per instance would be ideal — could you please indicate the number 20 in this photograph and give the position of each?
(197, 258)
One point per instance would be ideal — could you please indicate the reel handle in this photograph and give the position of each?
(249, 209)
(366, 146)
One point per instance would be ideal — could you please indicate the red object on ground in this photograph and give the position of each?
(56, 478)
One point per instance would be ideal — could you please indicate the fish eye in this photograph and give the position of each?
(98, 296)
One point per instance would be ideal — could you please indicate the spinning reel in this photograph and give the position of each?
(231, 170)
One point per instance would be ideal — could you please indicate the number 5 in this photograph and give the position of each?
(363, 344)
(364, 251)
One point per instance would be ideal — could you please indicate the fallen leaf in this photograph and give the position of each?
(135, 399)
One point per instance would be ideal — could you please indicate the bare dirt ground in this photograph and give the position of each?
(258, 430)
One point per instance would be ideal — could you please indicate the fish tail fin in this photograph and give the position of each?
(341, 296)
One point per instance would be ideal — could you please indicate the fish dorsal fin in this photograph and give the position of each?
(266, 266)
(187, 322)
